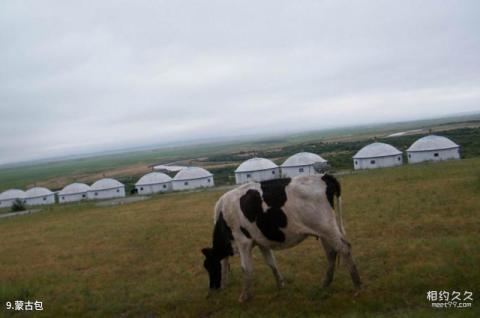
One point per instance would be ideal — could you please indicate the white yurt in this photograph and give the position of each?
(377, 155)
(154, 182)
(256, 169)
(301, 164)
(8, 197)
(433, 148)
(192, 178)
(39, 196)
(73, 193)
(106, 188)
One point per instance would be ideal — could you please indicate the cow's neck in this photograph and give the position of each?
(222, 239)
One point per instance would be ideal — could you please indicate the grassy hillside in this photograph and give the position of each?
(413, 229)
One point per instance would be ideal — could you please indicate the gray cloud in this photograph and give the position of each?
(85, 76)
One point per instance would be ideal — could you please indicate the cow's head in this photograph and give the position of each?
(213, 267)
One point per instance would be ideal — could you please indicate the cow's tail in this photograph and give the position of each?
(334, 194)
(338, 213)
(338, 202)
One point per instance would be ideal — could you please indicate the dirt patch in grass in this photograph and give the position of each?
(120, 201)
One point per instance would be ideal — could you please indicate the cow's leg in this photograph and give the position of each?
(345, 249)
(270, 260)
(225, 268)
(338, 243)
(245, 251)
(331, 258)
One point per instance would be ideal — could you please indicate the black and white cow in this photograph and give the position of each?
(277, 214)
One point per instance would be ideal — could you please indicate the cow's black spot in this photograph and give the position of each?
(245, 232)
(274, 193)
(251, 205)
(271, 221)
(222, 247)
(333, 188)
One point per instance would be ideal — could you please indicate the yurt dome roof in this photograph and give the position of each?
(12, 194)
(105, 184)
(74, 188)
(153, 178)
(377, 149)
(432, 142)
(303, 159)
(37, 192)
(256, 164)
(190, 173)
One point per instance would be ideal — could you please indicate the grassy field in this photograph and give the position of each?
(413, 229)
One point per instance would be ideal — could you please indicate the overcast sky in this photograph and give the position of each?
(80, 76)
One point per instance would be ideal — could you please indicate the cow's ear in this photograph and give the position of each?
(207, 251)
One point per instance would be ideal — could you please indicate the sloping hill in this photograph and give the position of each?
(413, 229)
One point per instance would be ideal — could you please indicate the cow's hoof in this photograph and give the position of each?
(358, 290)
(211, 292)
(326, 284)
(244, 297)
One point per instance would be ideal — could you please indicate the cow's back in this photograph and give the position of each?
(277, 213)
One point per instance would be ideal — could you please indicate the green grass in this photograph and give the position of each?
(413, 229)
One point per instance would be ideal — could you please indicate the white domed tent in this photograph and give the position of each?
(39, 196)
(154, 182)
(433, 148)
(377, 155)
(192, 178)
(256, 169)
(106, 188)
(8, 197)
(301, 164)
(73, 193)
